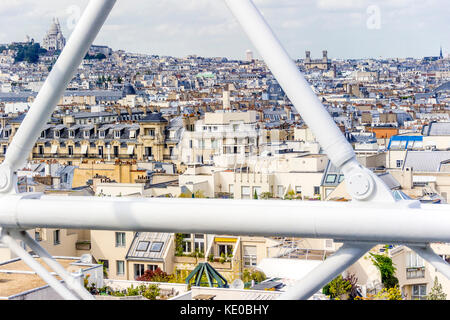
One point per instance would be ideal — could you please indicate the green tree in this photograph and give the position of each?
(436, 292)
(337, 288)
(255, 195)
(387, 269)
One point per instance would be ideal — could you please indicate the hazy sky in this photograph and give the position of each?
(346, 28)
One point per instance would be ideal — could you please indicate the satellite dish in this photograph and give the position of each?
(86, 258)
(237, 284)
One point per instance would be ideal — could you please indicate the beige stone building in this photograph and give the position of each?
(416, 276)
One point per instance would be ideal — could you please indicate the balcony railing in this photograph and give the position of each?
(415, 272)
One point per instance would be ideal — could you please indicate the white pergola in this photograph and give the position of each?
(372, 217)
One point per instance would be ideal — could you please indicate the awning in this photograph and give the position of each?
(54, 149)
(84, 149)
(130, 150)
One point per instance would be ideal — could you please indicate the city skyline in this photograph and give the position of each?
(350, 29)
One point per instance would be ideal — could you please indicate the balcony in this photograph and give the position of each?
(83, 245)
(415, 272)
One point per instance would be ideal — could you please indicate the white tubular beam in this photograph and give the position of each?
(429, 255)
(72, 283)
(396, 223)
(39, 269)
(347, 255)
(291, 80)
(63, 71)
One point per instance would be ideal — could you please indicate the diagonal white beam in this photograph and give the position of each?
(292, 81)
(436, 261)
(39, 269)
(347, 255)
(70, 281)
(63, 71)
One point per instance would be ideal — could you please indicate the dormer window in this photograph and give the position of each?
(56, 133)
(6, 133)
(87, 134)
(132, 134)
(43, 134)
(102, 134)
(117, 134)
(71, 134)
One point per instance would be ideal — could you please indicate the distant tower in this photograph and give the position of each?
(441, 56)
(249, 55)
(54, 39)
(308, 57)
(325, 56)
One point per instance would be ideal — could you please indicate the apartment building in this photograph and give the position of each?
(416, 276)
(294, 173)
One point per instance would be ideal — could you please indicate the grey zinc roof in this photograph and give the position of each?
(437, 129)
(151, 237)
(426, 161)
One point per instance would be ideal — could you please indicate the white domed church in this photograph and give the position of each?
(54, 40)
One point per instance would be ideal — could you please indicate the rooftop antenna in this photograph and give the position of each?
(360, 224)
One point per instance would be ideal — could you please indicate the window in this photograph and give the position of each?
(249, 256)
(316, 190)
(225, 249)
(41, 149)
(190, 144)
(120, 239)
(102, 134)
(132, 134)
(341, 178)
(152, 267)
(120, 267)
(105, 263)
(87, 134)
(4, 149)
(139, 270)
(56, 134)
(142, 246)
(419, 292)
(56, 237)
(117, 134)
(71, 134)
(331, 178)
(187, 243)
(156, 247)
(43, 134)
(100, 151)
(399, 163)
(152, 132)
(298, 189)
(70, 150)
(199, 243)
(37, 236)
(280, 191)
(414, 260)
(245, 192)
